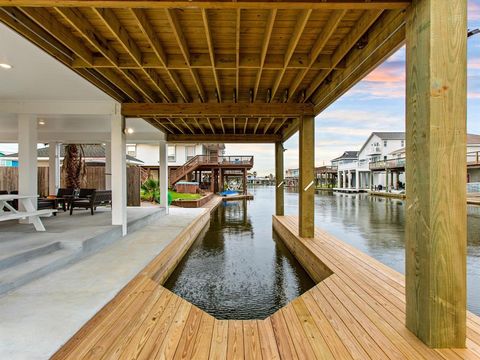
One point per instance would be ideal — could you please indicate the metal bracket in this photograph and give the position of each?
(281, 183)
(308, 186)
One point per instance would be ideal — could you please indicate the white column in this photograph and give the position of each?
(163, 175)
(53, 168)
(108, 166)
(344, 179)
(357, 182)
(119, 170)
(27, 156)
(339, 179)
(349, 179)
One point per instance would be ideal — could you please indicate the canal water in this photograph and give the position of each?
(236, 270)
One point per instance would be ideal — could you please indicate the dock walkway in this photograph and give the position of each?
(356, 311)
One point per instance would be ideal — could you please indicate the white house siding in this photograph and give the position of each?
(149, 153)
(367, 153)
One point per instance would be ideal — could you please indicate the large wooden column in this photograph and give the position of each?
(280, 180)
(436, 220)
(306, 188)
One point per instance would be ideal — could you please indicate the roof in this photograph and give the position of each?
(92, 151)
(473, 139)
(163, 60)
(347, 155)
(386, 135)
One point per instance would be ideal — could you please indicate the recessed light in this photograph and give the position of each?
(41, 122)
(128, 131)
(5, 66)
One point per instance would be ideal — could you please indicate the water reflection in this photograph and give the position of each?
(235, 269)
(376, 226)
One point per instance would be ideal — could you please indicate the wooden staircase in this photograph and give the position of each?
(208, 162)
(180, 173)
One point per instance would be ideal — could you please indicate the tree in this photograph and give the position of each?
(150, 191)
(74, 166)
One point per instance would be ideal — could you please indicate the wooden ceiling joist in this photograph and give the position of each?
(219, 4)
(215, 69)
(216, 110)
(347, 44)
(144, 24)
(300, 24)
(182, 42)
(224, 138)
(317, 48)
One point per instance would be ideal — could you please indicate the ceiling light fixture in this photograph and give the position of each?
(5, 66)
(128, 131)
(41, 122)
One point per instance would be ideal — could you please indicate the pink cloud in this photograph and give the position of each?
(473, 10)
(474, 63)
(393, 72)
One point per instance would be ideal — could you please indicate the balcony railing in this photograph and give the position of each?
(473, 158)
(387, 164)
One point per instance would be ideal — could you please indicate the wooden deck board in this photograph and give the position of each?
(358, 312)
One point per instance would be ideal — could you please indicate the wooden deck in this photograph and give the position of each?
(356, 312)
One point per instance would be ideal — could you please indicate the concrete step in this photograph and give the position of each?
(22, 254)
(24, 272)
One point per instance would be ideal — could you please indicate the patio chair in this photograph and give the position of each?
(63, 198)
(91, 199)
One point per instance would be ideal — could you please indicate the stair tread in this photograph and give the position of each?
(32, 265)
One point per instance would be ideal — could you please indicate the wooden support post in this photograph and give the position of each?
(245, 181)
(212, 181)
(279, 176)
(436, 219)
(306, 180)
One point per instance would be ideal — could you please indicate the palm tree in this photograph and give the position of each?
(74, 166)
(150, 191)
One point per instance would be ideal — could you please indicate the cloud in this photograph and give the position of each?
(473, 10)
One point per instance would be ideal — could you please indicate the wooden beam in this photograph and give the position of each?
(263, 54)
(211, 52)
(362, 25)
(224, 138)
(279, 180)
(306, 181)
(300, 24)
(237, 54)
(113, 24)
(145, 26)
(299, 61)
(436, 218)
(215, 110)
(182, 42)
(385, 37)
(218, 4)
(317, 48)
(63, 34)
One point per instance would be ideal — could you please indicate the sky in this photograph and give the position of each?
(377, 103)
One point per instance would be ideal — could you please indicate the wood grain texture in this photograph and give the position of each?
(435, 226)
(306, 188)
(358, 312)
(279, 177)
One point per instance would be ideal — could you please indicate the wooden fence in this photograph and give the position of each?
(95, 179)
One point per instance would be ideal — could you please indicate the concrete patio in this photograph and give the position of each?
(26, 254)
(39, 317)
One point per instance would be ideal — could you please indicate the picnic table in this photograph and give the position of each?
(28, 203)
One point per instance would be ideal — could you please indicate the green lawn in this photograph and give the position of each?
(180, 196)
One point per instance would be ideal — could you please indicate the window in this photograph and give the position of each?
(132, 150)
(172, 152)
(385, 143)
(189, 152)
